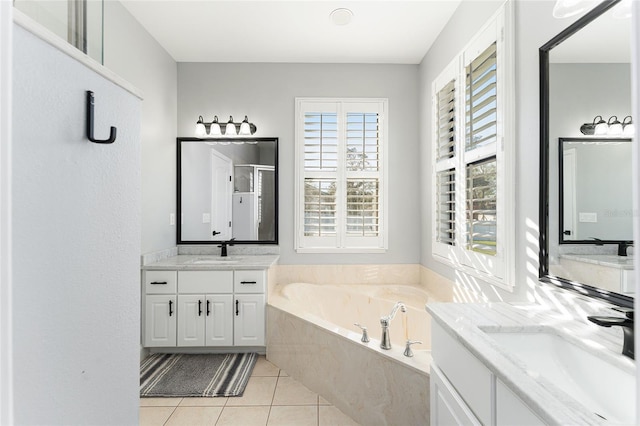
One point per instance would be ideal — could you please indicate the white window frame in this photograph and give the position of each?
(498, 269)
(341, 243)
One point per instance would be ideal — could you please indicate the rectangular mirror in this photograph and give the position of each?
(585, 180)
(595, 190)
(227, 188)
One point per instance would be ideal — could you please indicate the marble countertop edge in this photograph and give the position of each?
(467, 323)
(209, 263)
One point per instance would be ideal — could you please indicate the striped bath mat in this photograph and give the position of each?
(180, 375)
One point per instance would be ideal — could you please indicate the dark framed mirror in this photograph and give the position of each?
(585, 234)
(227, 188)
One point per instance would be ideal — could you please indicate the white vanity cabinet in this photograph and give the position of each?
(204, 308)
(205, 301)
(465, 392)
(160, 308)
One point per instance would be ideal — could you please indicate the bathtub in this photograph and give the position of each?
(311, 336)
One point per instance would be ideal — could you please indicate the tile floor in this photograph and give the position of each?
(271, 398)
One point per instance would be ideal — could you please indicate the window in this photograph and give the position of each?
(473, 158)
(340, 175)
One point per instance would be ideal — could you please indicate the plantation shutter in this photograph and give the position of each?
(446, 207)
(481, 206)
(446, 118)
(481, 100)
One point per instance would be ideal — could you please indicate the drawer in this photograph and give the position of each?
(160, 282)
(471, 379)
(205, 282)
(249, 281)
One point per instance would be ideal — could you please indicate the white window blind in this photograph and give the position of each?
(472, 178)
(481, 207)
(340, 175)
(446, 121)
(481, 99)
(446, 207)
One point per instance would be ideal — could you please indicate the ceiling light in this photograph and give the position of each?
(341, 16)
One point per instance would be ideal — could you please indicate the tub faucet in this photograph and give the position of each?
(627, 328)
(385, 342)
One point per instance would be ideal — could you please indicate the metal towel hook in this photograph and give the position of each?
(90, 107)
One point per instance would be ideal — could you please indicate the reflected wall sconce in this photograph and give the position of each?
(612, 127)
(230, 128)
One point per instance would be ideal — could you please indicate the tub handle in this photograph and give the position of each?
(365, 335)
(407, 351)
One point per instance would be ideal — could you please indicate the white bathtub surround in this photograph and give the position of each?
(439, 287)
(311, 335)
(349, 274)
(467, 324)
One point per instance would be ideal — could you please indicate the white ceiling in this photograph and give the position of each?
(392, 31)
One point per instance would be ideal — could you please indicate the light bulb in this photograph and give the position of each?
(245, 129)
(615, 127)
(231, 128)
(201, 131)
(628, 128)
(601, 127)
(214, 130)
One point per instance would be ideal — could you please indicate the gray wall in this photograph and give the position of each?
(534, 26)
(76, 245)
(133, 54)
(266, 93)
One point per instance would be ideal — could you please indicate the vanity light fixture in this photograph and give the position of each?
(231, 128)
(612, 127)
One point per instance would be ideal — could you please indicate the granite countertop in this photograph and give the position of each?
(609, 260)
(467, 323)
(212, 263)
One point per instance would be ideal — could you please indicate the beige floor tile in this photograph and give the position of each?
(283, 373)
(160, 402)
(265, 368)
(194, 416)
(155, 416)
(204, 402)
(301, 415)
(291, 392)
(331, 416)
(322, 401)
(245, 416)
(259, 391)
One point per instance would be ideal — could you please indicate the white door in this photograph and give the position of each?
(191, 319)
(160, 321)
(569, 194)
(245, 220)
(249, 321)
(221, 192)
(219, 322)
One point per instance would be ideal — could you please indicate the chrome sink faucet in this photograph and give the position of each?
(627, 328)
(385, 342)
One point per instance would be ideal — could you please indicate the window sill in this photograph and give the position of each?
(339, 250)
(489, 279)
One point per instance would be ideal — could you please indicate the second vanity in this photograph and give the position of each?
(205, 302)
(506, 364)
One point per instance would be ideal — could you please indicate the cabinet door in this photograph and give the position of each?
(219, 322)
(249, 320)
(160, 321)
(447, 407)
(191, 318)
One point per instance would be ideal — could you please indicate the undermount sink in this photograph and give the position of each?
(213, 261)
(601, 386)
